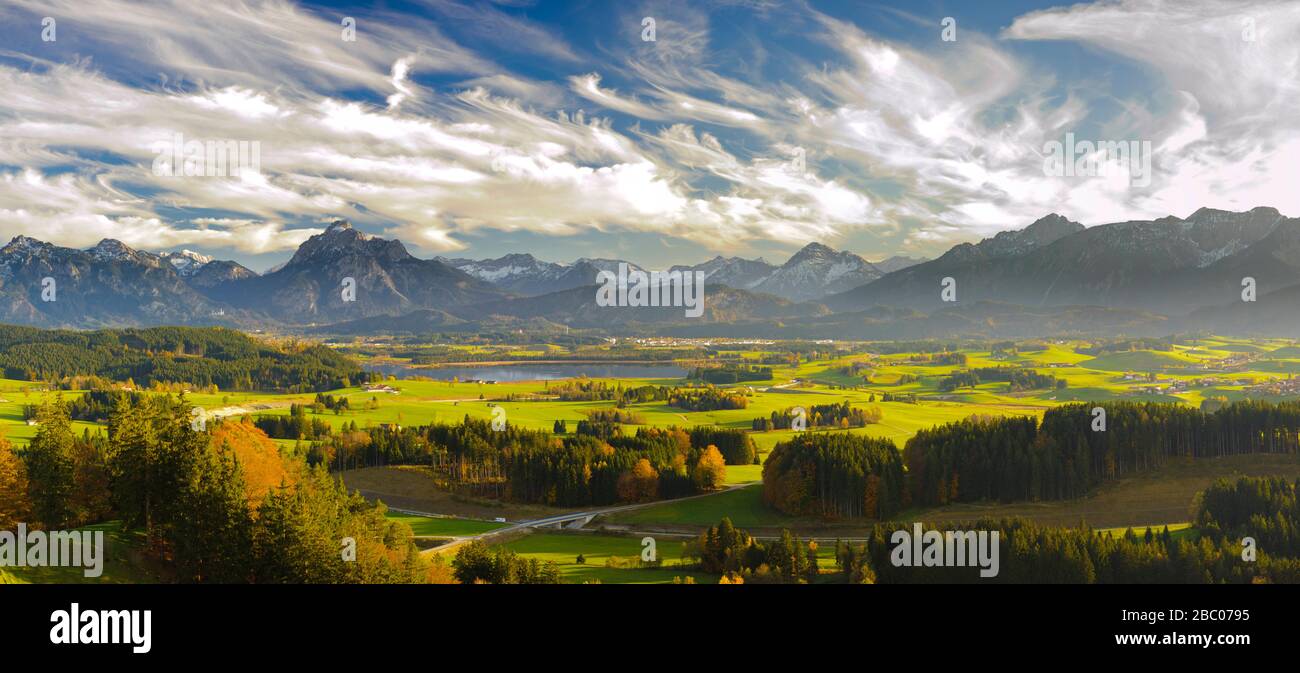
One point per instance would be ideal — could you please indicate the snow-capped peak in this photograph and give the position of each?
(187, 262)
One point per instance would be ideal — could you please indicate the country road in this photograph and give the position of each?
(559, 520)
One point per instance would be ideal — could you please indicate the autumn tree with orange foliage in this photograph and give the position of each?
(259, 459)
(15, 507)
(640, 484)
(711, 470)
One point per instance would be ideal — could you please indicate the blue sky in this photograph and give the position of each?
(745, 127)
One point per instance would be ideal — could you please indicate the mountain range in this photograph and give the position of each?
(812, 273)
(1053, 276)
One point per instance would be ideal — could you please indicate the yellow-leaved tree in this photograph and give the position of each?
(711, 471)
(15, 507)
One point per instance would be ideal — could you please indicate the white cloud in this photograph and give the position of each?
(944, 143)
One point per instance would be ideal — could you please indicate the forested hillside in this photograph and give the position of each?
(198, 356)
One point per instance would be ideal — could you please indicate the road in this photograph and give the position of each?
(560, 520)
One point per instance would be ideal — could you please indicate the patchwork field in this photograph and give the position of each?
(1185, 372)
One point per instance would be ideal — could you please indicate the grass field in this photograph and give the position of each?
(744, 506)
(412, 489)
(428, 526)
(596, 549)
(1203, 368)
(1155, 498)
(564, 549)
(121, 565)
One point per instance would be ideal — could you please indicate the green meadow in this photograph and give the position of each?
(1189, 371)
(597, 552)
(428, 526)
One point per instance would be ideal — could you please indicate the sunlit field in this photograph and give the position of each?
(1190, 372)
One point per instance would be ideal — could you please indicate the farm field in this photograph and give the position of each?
(911, 390)
(597, 549)
(1137, 375)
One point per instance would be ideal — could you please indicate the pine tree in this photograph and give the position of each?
(211, 537)
(49, 466)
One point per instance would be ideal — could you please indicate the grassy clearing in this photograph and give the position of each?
(1156, 498)
(428, 526)
(744, 506)
(1177, 531)
(596, 549)
(411, 488)
(123, 564)
(564, 548)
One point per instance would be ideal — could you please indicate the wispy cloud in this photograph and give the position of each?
(470, 118)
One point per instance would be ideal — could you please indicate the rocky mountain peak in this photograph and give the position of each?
(812, 251)
(186, 262)
(111, 249)
(1049, 228)
(339, 226)
(24, 244)
(340, 240)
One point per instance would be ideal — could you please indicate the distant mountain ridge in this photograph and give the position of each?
(898, 263)
(811, 273)
(110, 284)
(1134, 277)
(1169, 266)
(521, 273)
(343, 274)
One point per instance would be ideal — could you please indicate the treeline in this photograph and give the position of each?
(981, 456)
(336, 403)
(595, 466)
(1265, 509)
(840, 415)
(217, 504)
(1032, 554)
(740, 558)
(616, 416)
(294, 426)
(692, 399)
(586, 390)
(835, 475)
(200, 357)
(94, 406)
(477, 563)
(944, 359)
(706, 399)
(1018, 378)
(729, 374)
(736, 446)
(586, 470)
(1010, 459)
(580, 349)
(1125, 345)
(925, 346)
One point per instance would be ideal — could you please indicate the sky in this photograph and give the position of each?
(660, 132)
